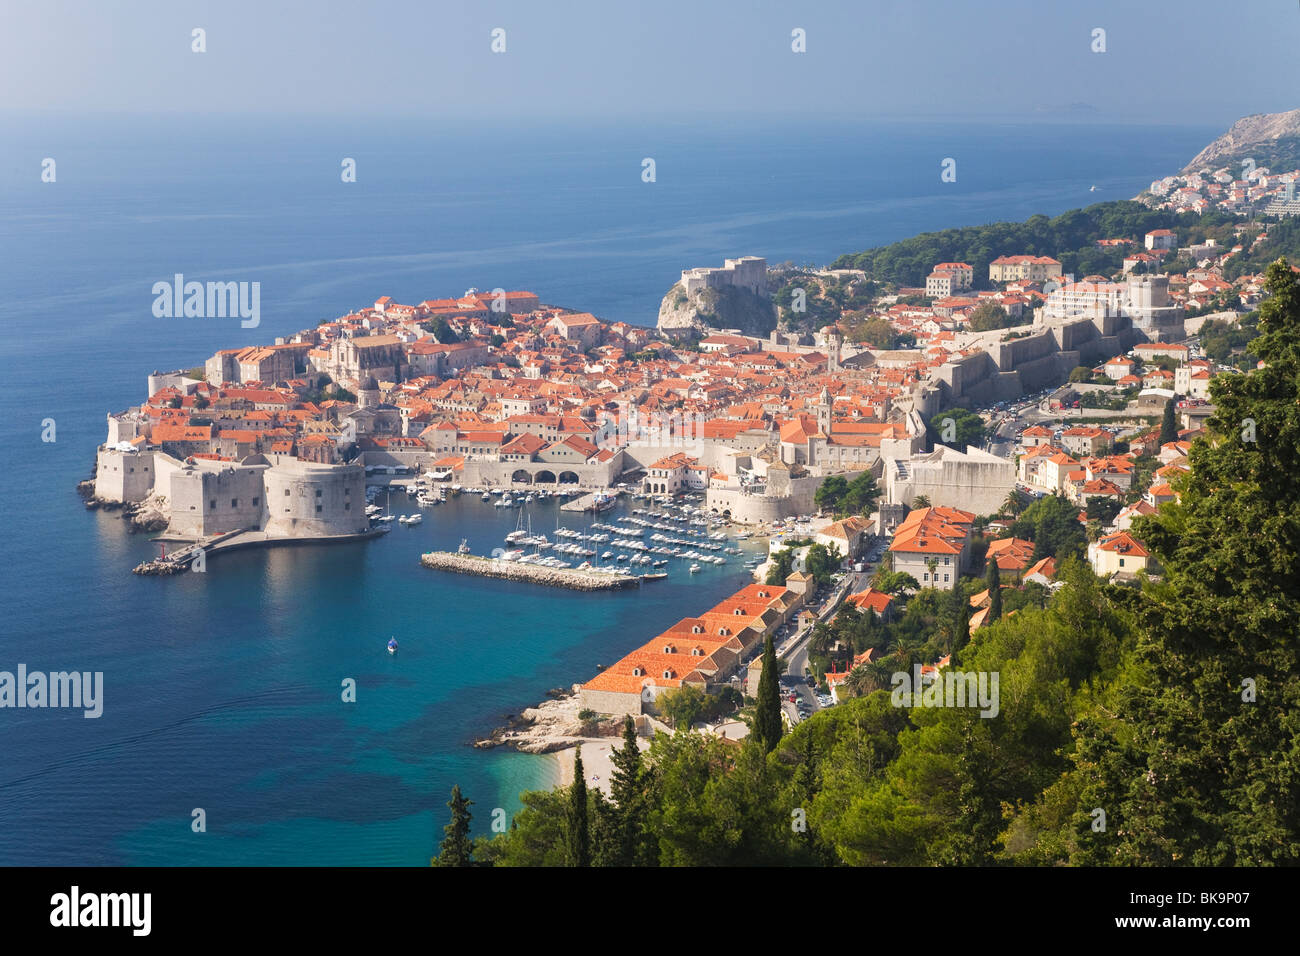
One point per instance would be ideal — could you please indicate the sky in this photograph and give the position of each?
(1177, 63)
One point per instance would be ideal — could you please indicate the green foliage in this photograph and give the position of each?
(1196, 761)
(1016, 502)
(821, 562)
(994, 583)
(577, 836)
(768, 726)
(1223, 342)
(536, 835)
(1175, 708)
(456, 849)
(683, 706)
(1115, 399)
(830, 492)
(1168, 426)
(986, 316)
(629, 842)
(844, 498)
(1103, 509)
(957, 427)
(1070, 237)
(894, 582)
(1052, 523)
(782, 567)
(441, 331)
(1283, 241)
(876, 332)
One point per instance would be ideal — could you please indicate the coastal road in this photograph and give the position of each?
(795, 651)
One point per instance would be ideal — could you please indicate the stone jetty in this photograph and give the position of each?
(161, 567)
(578, 580)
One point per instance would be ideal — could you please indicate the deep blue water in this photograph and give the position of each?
(223, 690)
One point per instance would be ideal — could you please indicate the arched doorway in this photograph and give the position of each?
(545, 477)
(521, 476)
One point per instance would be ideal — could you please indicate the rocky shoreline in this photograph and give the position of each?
(140, 516)
(550, 726)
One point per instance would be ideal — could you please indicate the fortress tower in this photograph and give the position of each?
(747, 272)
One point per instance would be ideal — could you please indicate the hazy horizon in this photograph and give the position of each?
(1195, 63)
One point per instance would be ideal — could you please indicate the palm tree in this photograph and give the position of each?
(1014, 504)
(882, 671)
(931, 564)
(859, 681)
(823, 638)
(920, 501)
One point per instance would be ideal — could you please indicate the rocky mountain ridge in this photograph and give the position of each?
(1274, 136)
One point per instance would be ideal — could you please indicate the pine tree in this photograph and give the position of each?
(576, 833)
(995, 592)
(767, 715)
(627, 788)
(1198, 768)
(1168, 427)
(978, 818)
(456, 848)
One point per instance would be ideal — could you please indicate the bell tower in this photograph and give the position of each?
(824, 412)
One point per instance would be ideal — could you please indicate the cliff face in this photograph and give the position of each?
(682, 315)
(1275, 136)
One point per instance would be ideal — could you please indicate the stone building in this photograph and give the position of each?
(973, 480)
(747, 272)
(352, 359)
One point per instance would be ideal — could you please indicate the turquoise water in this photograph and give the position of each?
(222, 691)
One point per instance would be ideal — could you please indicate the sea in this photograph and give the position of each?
(223, 691)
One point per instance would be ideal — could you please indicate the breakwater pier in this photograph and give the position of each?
(576, 579)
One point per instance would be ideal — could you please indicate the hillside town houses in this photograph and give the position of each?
(497, 389)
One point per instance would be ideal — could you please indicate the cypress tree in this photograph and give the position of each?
(995, 592)
(958, 617)
(456, 848)
(767, 716)
(1168, 427)
(576, 833)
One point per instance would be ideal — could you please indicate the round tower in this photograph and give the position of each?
(368, 393)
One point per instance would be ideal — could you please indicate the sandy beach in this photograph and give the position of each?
(596, 762)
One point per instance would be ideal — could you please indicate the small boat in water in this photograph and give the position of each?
(694, 568)
(392, 645)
